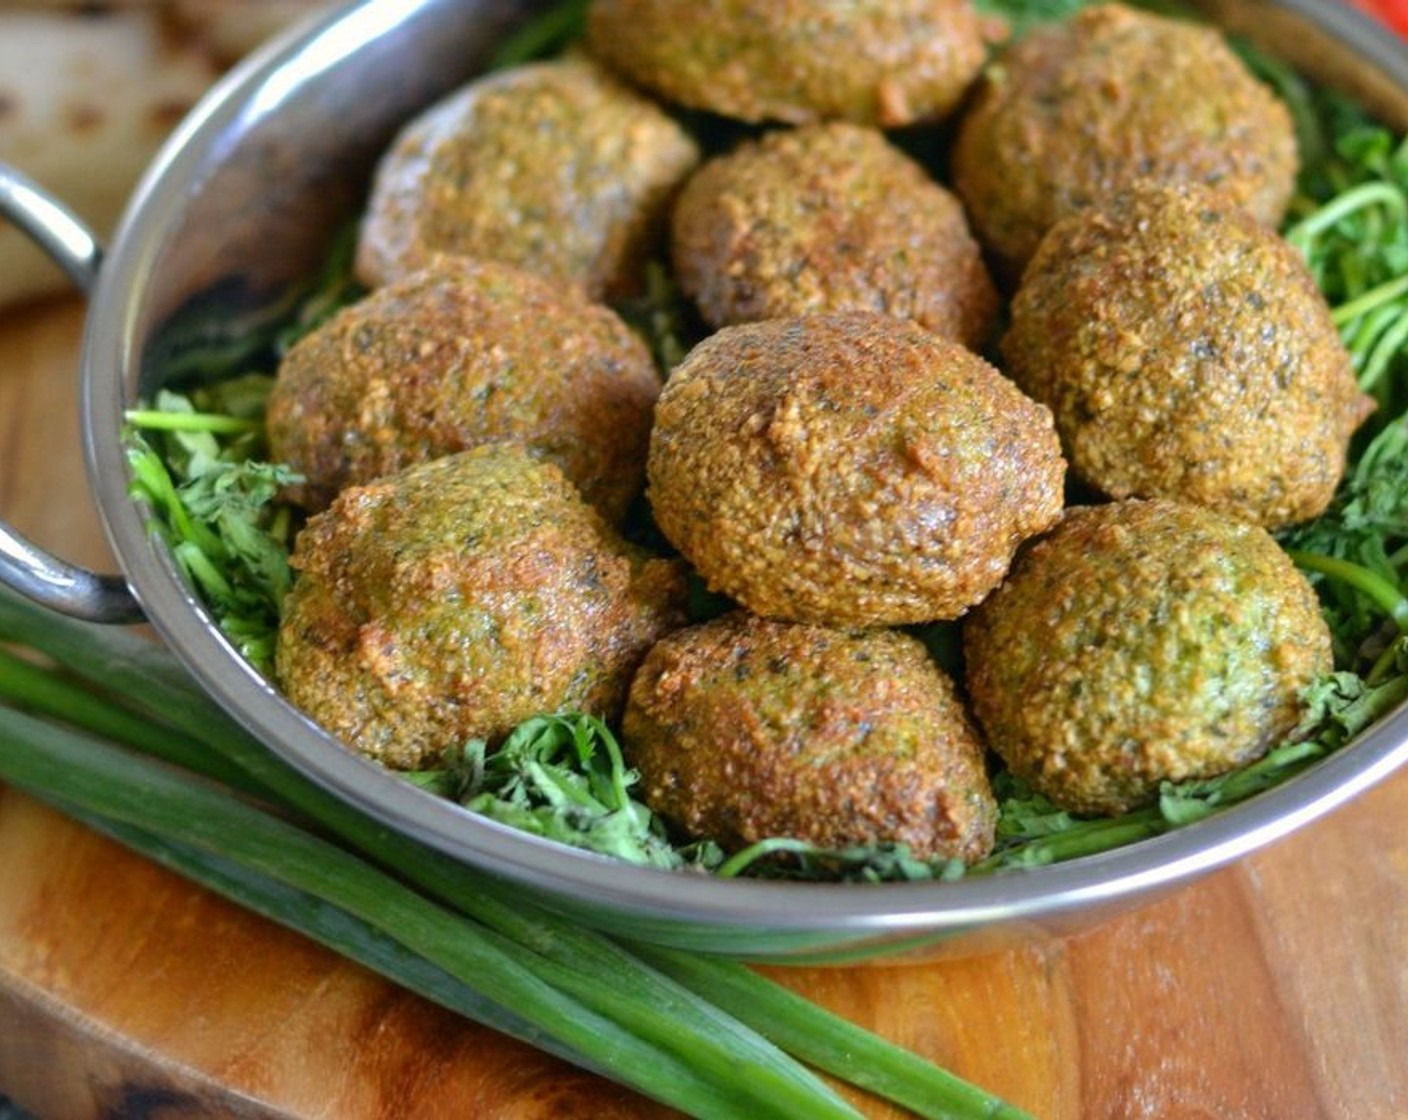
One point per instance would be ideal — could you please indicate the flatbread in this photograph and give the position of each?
(88, 93)
(230, 29)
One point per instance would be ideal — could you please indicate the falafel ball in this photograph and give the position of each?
(1187, 353)
(1075, 111)
(457, 598)
(828, 218)
(849, 468)
(553, 166)
(744, 729)
(457, 354)
(881, 62)
(1141, 642)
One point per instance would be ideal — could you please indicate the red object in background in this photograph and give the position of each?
(1392, 12)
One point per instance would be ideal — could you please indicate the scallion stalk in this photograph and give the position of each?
(329, 926)
(130, 790)
(146, 674)
(35, 688)
(830, 1042)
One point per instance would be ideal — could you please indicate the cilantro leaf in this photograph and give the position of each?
(564, 777)
(218, 511)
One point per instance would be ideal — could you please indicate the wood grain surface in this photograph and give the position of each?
(1277, 989)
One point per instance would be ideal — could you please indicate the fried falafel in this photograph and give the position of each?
(457, 598)
(828, 218)
(457, 354)
(744, 729)
(882, 62)
(1141, 642)
(849, 468)
(1186, 353)
(552, 166)
(1075, 111)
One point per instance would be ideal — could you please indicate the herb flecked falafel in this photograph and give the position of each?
(744, 729)
(1186, 353)
(552, 166)
(850, 469)
(457, 354)
(1141, 642)
(828, 218)
(882, 62)
(455, 599)
(1077, 110)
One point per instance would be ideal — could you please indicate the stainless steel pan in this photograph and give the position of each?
(243, 200)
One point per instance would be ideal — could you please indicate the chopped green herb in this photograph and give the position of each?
(563, 777)
(218, 512)
(1357, 551)
(1350, 222)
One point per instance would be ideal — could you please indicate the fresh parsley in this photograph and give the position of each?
(217, 508)
(564, 777)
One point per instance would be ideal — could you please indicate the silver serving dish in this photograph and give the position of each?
(244, 199)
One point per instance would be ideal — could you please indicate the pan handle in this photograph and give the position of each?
(28, 569)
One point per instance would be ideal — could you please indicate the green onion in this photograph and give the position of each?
(830, 1043)
(31, 686)
(718, 1073)
(575, 959)
(331, 927)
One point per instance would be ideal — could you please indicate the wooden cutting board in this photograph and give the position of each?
(1277, 989)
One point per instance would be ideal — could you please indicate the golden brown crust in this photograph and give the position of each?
(1187, 353)
(829, 218)
(1140, 642)
(455, 599)
(849, 469)
(459, 354)
(554, 166)
(1076, 111)
(881, 62)
(745, 729)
